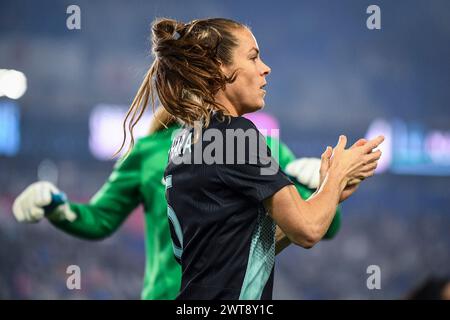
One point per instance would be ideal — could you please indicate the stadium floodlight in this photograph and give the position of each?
(13, 83)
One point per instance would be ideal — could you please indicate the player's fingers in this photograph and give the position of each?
(28, 205)
(38, 195)
(368, 174)
(26, 213)
(325, 160)
(355, 181)
(46, 196)
(370, 166)
(43, 194)
(341, 143)
(359, 143)
(327, 153)
(371, 157)
(372, 144)
(36, 214)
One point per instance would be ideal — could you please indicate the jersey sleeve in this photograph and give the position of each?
(111, 205)
(253, 173)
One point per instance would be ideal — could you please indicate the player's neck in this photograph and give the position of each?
(224, 101)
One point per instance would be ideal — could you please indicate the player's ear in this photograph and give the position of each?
(226, 69)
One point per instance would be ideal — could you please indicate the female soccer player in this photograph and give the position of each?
(225, 199)
(136, 179)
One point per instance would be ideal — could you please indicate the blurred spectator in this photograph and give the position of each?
(433, 288)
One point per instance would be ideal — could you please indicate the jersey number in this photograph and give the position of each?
(173, 220)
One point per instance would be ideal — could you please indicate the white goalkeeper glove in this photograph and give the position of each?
(31, 205)
(306, 171)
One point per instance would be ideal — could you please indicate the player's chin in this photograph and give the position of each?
(260, 105)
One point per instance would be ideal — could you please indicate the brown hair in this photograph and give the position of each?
(186, 71)
(161, 120)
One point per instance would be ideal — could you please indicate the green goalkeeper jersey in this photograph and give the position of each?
(138, 179)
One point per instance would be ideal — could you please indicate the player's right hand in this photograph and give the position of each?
(29, 205)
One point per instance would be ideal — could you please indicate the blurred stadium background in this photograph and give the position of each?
(330, 76)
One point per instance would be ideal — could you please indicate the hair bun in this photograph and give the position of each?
(166, 29)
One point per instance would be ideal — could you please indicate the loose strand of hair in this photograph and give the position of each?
(138, 106)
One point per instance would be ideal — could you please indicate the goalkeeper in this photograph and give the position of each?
(137, 179)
